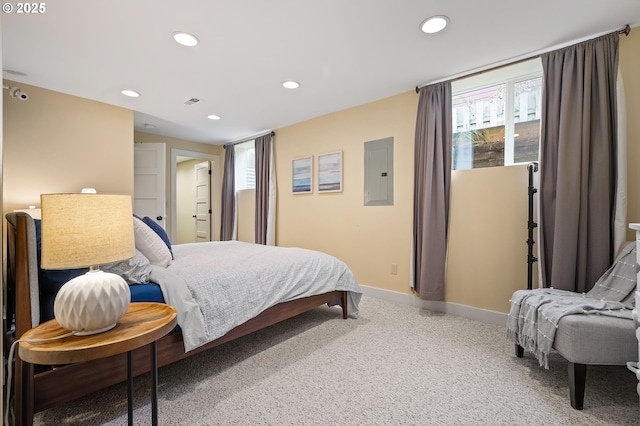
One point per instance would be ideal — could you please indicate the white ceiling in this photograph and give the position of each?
(343, 53)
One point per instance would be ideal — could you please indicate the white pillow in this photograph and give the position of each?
(135, 270)
(150, 244)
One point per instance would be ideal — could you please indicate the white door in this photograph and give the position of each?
(203, 201)
(149, 181)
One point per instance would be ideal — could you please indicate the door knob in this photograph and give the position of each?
(159, 218)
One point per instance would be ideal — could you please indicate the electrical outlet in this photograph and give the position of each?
(394, 269)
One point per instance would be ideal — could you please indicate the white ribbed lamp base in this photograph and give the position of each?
(92, 303)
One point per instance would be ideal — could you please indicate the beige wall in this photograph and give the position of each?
(246, 216)
(630, 69)
(60, 143)
(487, 246)
(367, 238)
(487, 259)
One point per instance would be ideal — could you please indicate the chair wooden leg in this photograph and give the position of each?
(519, 351)
(577, 379)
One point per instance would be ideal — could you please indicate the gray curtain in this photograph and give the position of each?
(227, 222)
(578, 163)
(263, 147)
(432, 175)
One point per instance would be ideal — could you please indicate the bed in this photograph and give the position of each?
(217, 301)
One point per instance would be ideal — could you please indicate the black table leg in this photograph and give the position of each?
(24, 385)
(129, 389)
(154, 384)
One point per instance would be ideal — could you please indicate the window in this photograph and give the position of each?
(245, 166)
(496, 117)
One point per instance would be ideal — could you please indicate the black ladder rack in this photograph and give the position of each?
(531, 225)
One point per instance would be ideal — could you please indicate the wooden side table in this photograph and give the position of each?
(143, 324)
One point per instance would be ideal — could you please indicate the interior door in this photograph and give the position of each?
(149, 181)
(203, 201)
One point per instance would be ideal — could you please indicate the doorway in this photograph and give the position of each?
(189, 198)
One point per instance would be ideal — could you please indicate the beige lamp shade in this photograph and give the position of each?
(84, 230)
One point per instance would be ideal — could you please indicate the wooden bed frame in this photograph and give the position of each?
(38, 391)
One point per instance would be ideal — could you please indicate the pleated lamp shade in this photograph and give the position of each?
(88, 230)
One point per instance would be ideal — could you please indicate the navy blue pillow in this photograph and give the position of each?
(51, 280)
(158, 230)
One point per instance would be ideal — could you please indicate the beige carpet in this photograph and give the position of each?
(395, 365)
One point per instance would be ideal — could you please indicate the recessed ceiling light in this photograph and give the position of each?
(185, 39)
(213, 117)
(434, 24)
(130, 93)
(291, 84)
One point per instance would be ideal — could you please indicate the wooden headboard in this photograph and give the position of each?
(22, 273)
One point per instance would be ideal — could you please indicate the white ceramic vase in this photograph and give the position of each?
(92, 303)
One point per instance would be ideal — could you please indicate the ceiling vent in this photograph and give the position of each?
(192, 101)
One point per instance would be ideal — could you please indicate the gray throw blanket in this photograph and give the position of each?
(534, 314)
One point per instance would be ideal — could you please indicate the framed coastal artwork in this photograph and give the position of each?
(330, 172)
(301, 174)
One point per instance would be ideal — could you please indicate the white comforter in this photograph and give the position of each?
(219, 285)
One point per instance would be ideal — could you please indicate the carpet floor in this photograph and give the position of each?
(395, 365)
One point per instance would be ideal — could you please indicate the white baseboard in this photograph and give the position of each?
(470, 312)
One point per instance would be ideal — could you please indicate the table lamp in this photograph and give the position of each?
(88, 230)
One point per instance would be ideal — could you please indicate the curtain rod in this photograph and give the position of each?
(626, 30)
(257, 135)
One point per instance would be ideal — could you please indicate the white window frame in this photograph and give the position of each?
(243, 172)
(508, 75)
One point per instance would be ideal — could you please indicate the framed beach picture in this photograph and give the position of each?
(301, 175)
(330, 172)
